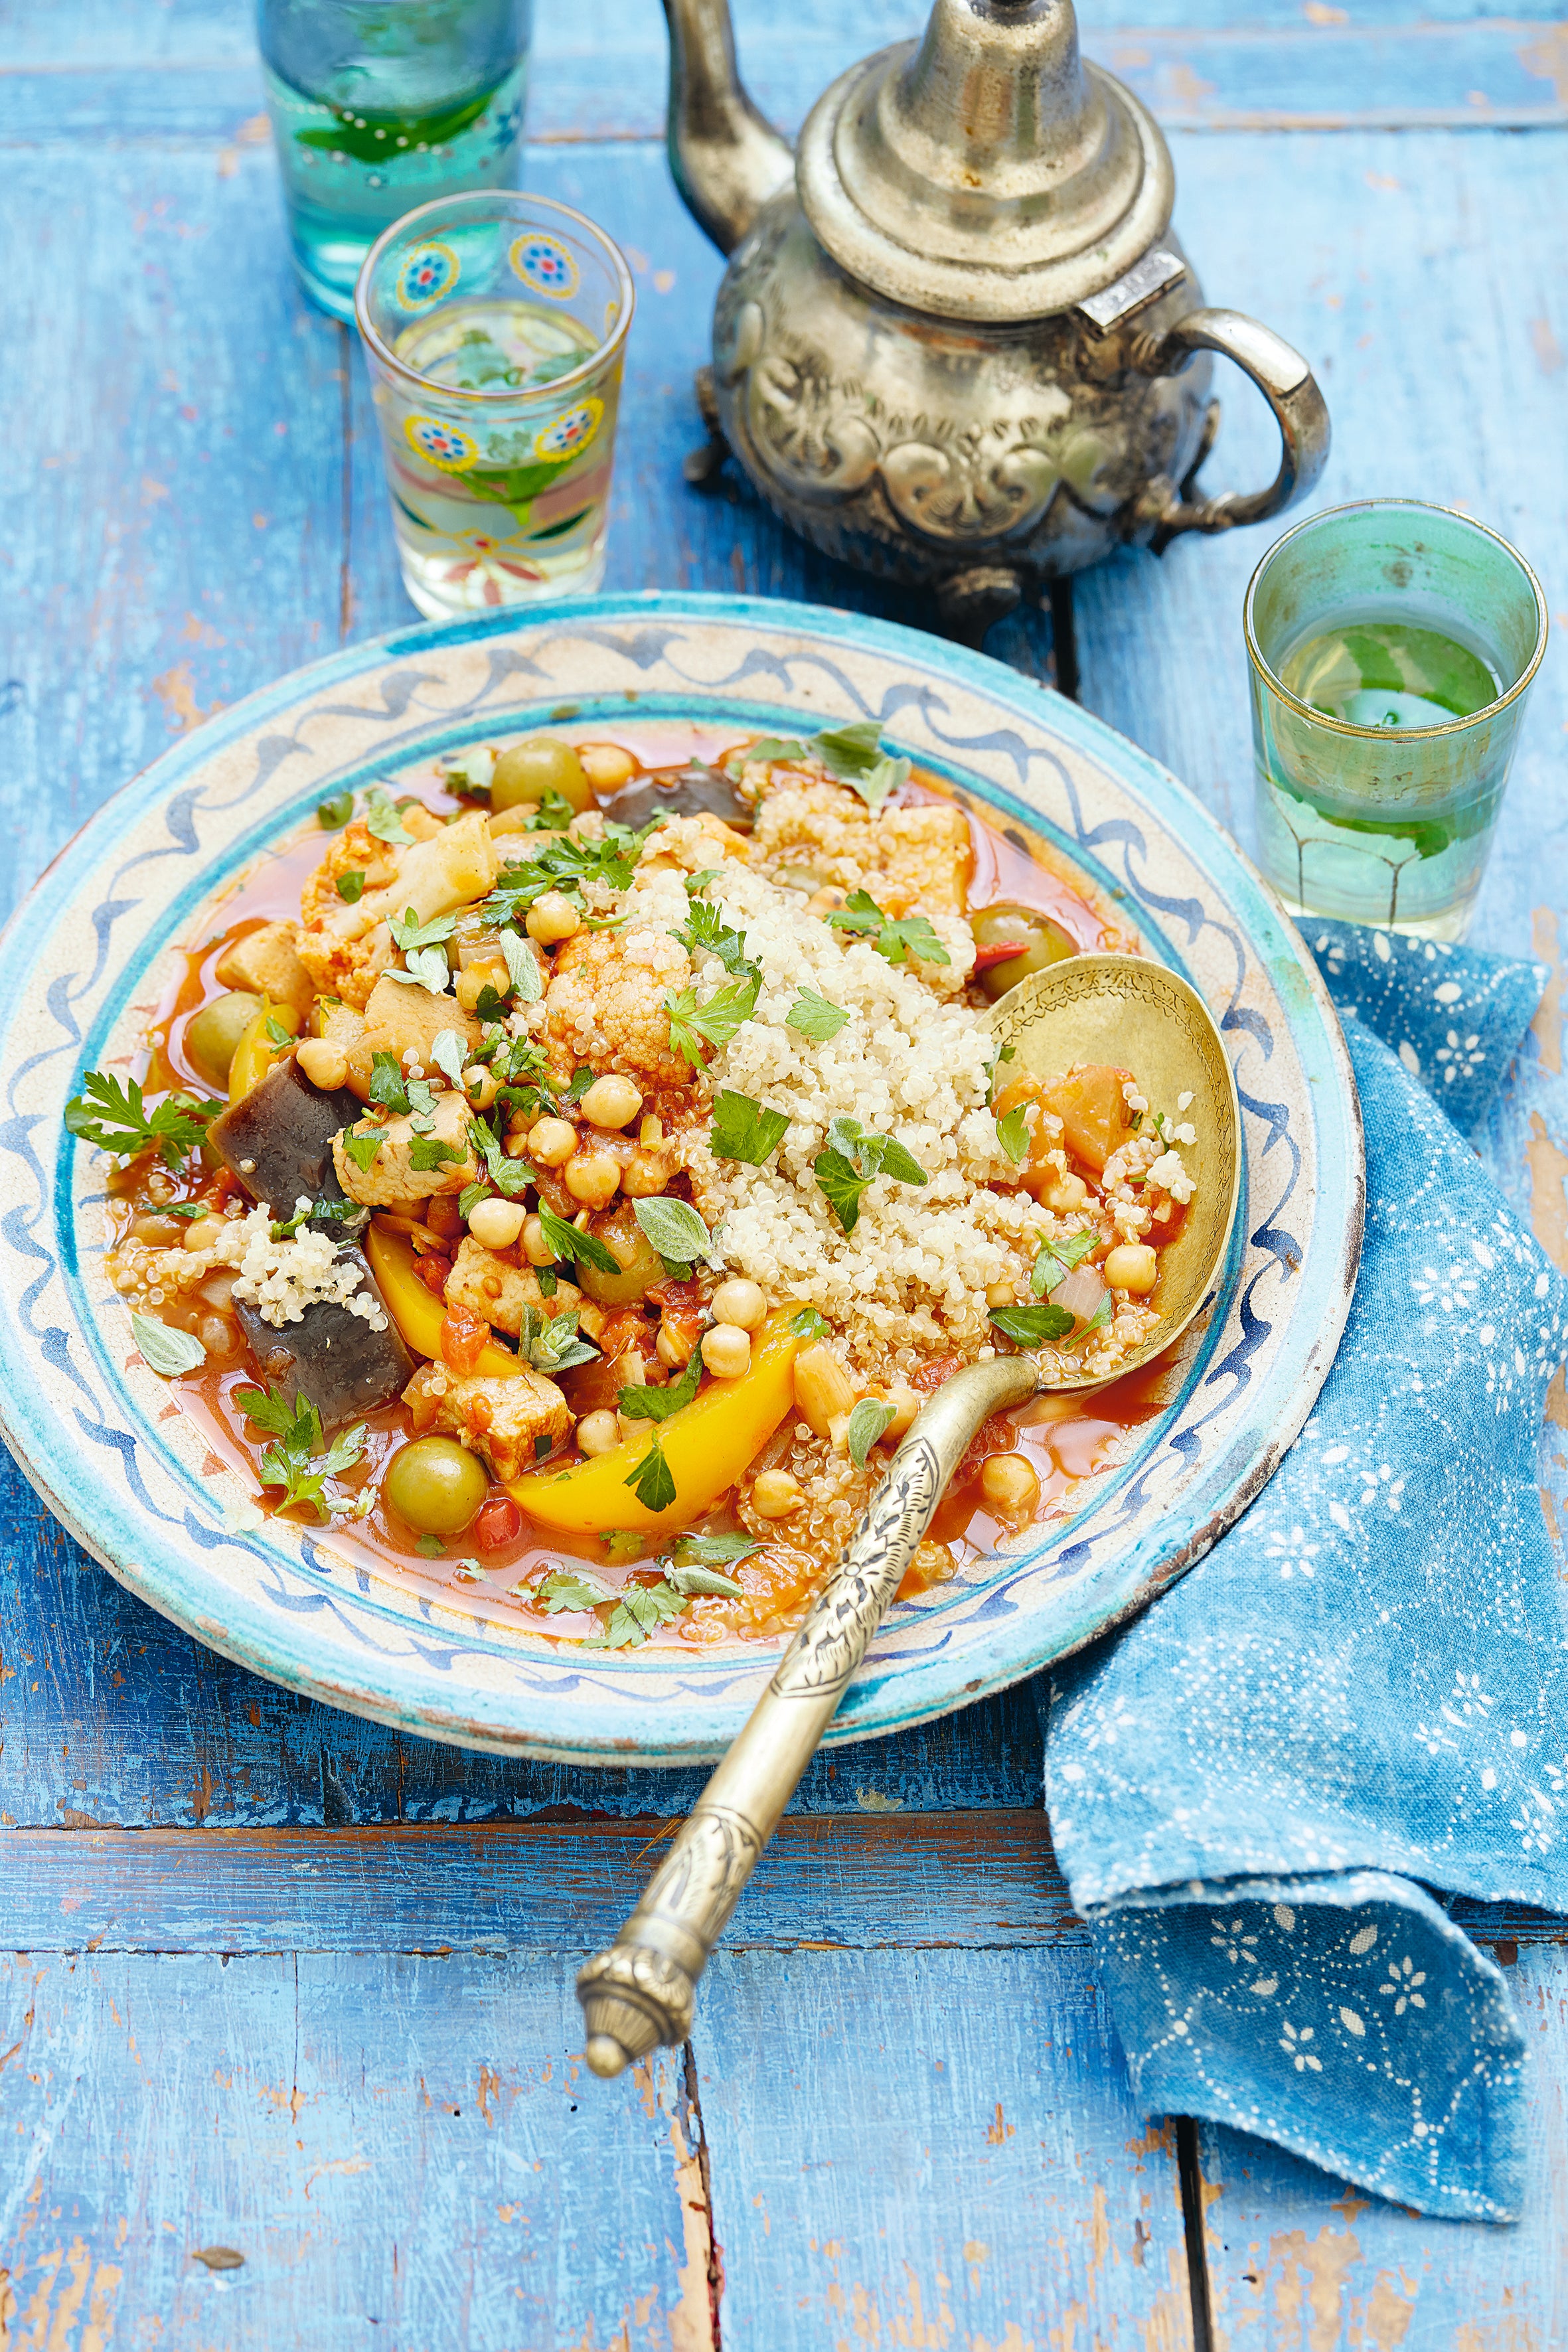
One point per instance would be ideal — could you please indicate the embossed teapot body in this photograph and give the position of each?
(957, 344)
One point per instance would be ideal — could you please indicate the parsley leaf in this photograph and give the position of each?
(653, 1481)
(296, 1460)
(715, 1022)
(711, 1582)
(713, 1552)
(428, 1152)
(1056, 1260)
(657, 1404)
(382, 821)
(906, 940)
(640, 1609)
(386, 1086)
(508, 1176)
(854, 1158)
(854, 754)
(332, 1212)
(1013, 1134)
(363, 1145)
(408, 931)
(774, 747)
(706, 933)
(351, 888)
(566, 1587)
(815, 1017)
(741, 1130)
(867, 1423)
(115, 1118)
(1033, 1327)
(809, 1324)
(674, 1228)
(568, 1242)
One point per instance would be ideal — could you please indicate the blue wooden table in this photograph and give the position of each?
(283, 1982)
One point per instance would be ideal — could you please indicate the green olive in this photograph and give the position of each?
(434, 1485)
(527, 770)
(213, 1033)
(1042, 942)
(639, 1262)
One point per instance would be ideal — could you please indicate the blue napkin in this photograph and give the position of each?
(1361, 1694)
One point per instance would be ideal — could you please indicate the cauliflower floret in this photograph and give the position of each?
(606, 1003)
(391, 1175)
(502, 1421)
(347, 947)
(490, 1286)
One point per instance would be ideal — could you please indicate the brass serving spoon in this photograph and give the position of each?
(1094, 1008)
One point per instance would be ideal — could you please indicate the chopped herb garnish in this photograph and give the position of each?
(566, 1587)
(450, 1055)
(508, 1176)
(867, 1423)
(743, 1130)
(809, 1325)
(1056, 1260)
(552, 1343)
(386, 1083)
(163, 1349)
(854, 754)
(1012, 1134)
(642, 1608)
(382, 821)
(275, 1032)
(431, 1546)
(428, 1152)
(815, 1017)
(713, 1552)
(115, 1117)
(706, 933)
(715, 1022)
(408, 931)
(298, 1461)
(568, 1242)
(363, 1145)
(774, 747)
(855, 1159)
(523, 967)
(657, 1404)
(675, 1229)
(905, 941)
(351, 888)
(653, 1481)
(1033, 1327)
(427, 968)
(330, 1211)
(697, 1583)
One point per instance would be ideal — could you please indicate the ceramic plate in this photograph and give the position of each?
(96, 942)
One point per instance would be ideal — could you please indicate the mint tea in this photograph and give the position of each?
(1385, 716)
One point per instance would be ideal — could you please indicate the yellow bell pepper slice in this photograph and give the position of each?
(707, 1446)
(256, 1053)
(417, 1312)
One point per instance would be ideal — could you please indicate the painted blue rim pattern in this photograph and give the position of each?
(297, 1612)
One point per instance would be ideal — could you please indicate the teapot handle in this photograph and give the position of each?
(1286, 383)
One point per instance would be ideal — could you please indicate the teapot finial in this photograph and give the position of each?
(985, 172)
(726, 157)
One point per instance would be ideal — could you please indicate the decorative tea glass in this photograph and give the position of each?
(1392, 647)
(495, 327)
(380, 105)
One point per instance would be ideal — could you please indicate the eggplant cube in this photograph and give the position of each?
(278, 1139)
(330, 1357)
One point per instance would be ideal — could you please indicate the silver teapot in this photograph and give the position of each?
(957, 344)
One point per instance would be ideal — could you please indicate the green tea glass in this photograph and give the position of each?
(495, 328)
(1392, 647)
(380, 105)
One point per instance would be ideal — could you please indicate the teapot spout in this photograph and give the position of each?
(726, 157)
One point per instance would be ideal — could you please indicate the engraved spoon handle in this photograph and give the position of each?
(641, 1989)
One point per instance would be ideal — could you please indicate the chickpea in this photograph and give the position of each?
(497, 1223)
(480, 1084)
(536, 1247)
(822, 1388)
(610, 1101)
(644, 1176)
(774, 1495)
(486, 971)
(552, 1141)
(1011, 1485)
(552, 917)
(598, 1433)
(727, 1351)
(1131, 1265)
(326, 1066)
(606, 765)
(906, 1403)
(219, 1338)
(1001, 1294)
(592, 1178)
(673, 1348)
(1064, 1194)
(740, 1302)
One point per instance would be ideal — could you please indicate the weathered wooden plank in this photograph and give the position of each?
(1298, 2263)
(910, 1881)
(405, 2152)
(933, 2151)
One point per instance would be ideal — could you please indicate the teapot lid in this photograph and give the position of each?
(985, 173)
